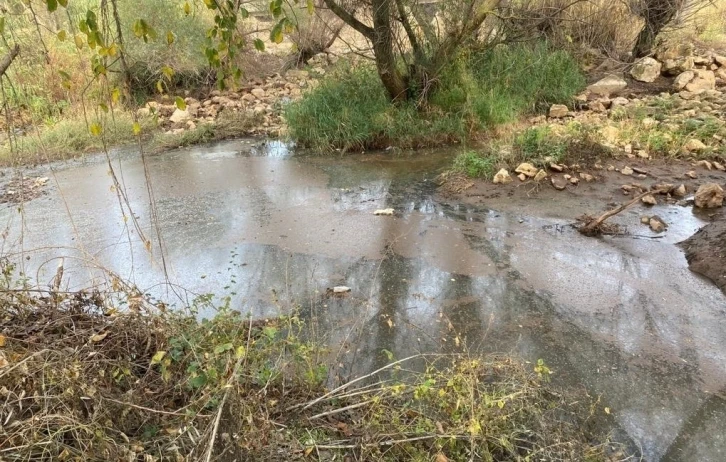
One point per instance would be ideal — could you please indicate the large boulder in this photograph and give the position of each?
(703, 80)
(502, 177)
(558, 111)
(527, 169)
(646, 70)
(607, 86)
(709, 195)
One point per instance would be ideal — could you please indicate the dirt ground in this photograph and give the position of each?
(705, 251)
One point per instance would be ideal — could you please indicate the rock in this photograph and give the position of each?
(709, 195)
(541, 175)
(719, 166)
(556, 167)
(574, 180)
(642, 153)
(619, 101)
(384, 212)
(502, 177)
(649, 200)
(680, 191)
(675, 51)
(705, 164)
(703, 80)
(558, 183)
(587, 177)
(527, 169)
(677, 66)
(639, 170)
(180, 116)
(522, 177)
(557, 111)
(646, 70)
(657, 225)
(258, 93)
(249, 97)
(720, 60)
(692, 175)
(626, 171)
(341, 289)
(143, 112)
(608, 85)
(680, 82)
(645, 220)
(693, 145)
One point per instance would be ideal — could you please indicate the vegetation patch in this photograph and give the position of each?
(350, 109)
(113, 376)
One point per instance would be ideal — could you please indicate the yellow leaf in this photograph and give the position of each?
(115, 95)
(170, 37)
(112, 50)
(390, 323)
(607, 410)
(474, 427)
(137, 128)
(3, 340)
(3, 362)
(500, 403)
(239, 352)
(99, 337)
(61, 35)
(96, 129)
(168, 72)
(187, 8)
(159, 86)
(78, 38)
(180, 103)
(158, 356)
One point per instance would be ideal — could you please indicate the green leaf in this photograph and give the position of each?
(170, 37)
(62, 35)
(2, 24)
(243, 13)
(180, 103)
(222, 348)
(78, 38)
(63, 3)
(158, 356)
(168, 72)
(276, 33)
(311, 7)
(276, 8)
(198, 381)
(187, 8)
(259, 45)
(103, 106)
(52, 5)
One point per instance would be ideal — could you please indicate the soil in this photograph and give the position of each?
(706, 252)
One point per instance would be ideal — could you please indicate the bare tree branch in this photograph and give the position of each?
(349, 19)
(8, 59)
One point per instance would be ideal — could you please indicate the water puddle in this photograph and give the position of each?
(621, 316)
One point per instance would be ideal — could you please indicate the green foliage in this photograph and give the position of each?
(539, 145)
(350, 110)
(474, 165)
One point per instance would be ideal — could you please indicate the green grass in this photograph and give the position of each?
(539, 145)
(349, 110)
(475, 165)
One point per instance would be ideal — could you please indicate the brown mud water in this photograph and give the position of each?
(621, 316)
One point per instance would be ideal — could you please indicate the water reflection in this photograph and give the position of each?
(622, 317)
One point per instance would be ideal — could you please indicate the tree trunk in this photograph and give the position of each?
(8, 59)
(394, 83)
(657, 14)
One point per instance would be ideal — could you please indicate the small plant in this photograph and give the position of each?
(474, 165)
(536, 144)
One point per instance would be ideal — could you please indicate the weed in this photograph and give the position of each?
(539, 145)
(474, 165)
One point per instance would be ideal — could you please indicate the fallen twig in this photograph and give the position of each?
(592, 227)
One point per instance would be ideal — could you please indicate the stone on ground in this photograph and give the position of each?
(608, 85)
(703, 80)
(557, 111)
(527, 169)
(646, 70)
(502, 177)
(680, 82)
(649, 200)
(709, 195)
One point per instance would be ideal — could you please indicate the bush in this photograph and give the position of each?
(475, 165)
(349, 110)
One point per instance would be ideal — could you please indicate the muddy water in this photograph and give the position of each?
(623, 317)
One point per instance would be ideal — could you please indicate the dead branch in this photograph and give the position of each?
(591, 227)
(8, 59)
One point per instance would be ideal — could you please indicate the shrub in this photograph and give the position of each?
(474, 165)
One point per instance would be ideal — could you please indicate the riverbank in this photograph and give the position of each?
(97, 375)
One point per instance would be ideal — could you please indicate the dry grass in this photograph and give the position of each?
(110, 376)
